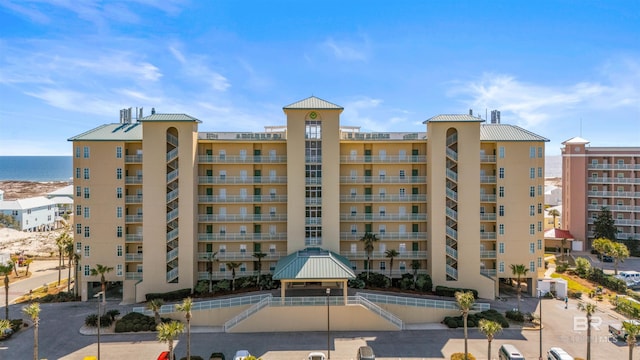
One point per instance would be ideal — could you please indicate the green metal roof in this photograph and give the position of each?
(169, 117)
(313, 263)
(453, 117)
(313, 103)
(505, 132)
(112, 132)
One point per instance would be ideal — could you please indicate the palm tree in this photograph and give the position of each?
(563, 243)
(155, 305)
(61, 242)
(211, 256)
(4, 326)
(489, 328)
(555, 213)
(5, 270)
(368, 239)
(69, 250)
(27, 262)
(619, 252)
(391, 253)
(465, 301)
(233, 266)
(76, 262)
(33, 311)
(101, 270)
(632, 330)
(185, 307)
(415, 266)
(519, 270)
(167, 332)
(259, 256)
(589, 309)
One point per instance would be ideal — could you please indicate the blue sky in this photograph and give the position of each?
(558, 68)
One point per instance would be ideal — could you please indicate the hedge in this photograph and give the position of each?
(473, 319)
(451, 292)
(170, 296)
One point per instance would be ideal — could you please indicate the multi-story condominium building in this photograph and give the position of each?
(596, 177)
(463, 200)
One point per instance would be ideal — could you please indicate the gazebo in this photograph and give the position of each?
(313, 268)
(553, 238)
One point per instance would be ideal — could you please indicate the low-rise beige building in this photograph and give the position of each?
(155, 198)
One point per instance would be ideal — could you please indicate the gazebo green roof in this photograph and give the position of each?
(313, 263)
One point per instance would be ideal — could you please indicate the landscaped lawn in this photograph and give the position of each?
(572, 284)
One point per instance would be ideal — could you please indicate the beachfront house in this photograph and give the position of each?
(32, 214)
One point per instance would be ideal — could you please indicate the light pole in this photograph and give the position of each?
(99, 308)
(328, 327)
(540, 297)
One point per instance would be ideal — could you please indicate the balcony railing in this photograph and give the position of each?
(488, 197)
(133, 218)
(133, 257)
(383, 217)
(241, 198)
(133, 237)
(241, 236)
(487, 216)
(614, 207)
(242, 159)
(487, 179)
(383, 198)
(133, 179)
(621, 194)
(487, 235)
(383, 159)
(613, 166)
(489, 272)
(129, 159)
(242, 255)
(133, 199)
(487, 158)
(487, 254)
(383, 179)
(133, 276)
(242, 179)
(385, 235)
(613, 180)
(362, 255)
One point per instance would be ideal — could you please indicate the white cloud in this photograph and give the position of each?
(196, 68)
(75, 101)
(347, 51)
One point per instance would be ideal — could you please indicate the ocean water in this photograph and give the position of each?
(36, 168)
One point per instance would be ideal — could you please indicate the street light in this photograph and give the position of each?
(540, 297)
(99, 309)
(328, 327)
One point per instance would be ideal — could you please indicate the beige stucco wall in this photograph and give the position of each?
(213, 317)
(295, 180)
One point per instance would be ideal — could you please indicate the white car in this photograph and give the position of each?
(556, 353)
(241, 355)
(316, 356)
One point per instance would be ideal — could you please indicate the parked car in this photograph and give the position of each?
(165, 356)
(241, 355)
(216, 356)
(607, 258)
(365, 353)
(617, 330)
(556, 353)
(316, 356)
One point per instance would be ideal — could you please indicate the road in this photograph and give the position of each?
(42, 271)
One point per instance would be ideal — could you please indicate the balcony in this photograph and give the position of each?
(386, 198)
(618, 194)
(353, 159)
(379, 255)
(597, 207)
(242, 255)
(132, 180)
(242, 198)
(489, 272)
(133, 257)
(613, 166)
(132, 159)
(385, 179)
(487, 254)
(242, 179)
(487, 216)
(488, 197)
(128, 219)
(487, 179)
(133, 238)
(133, 276)
(487, 235)
(487, 158)
(133, 199)
(240, 236)
(383, 217)
(241, 217)
(220, 275)
(613, 180)
(242, 159)
(385, 235)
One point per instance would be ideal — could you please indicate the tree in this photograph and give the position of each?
(155, 305)
(259, 256)
(33, 311)
(69, 250)
(185, 307)
(604, 225)
(619, 252)
(489, 328)
(233, 266)
(369, 239)
(555, 213)
(589, 309)
(101, 270)
(415, 266)
(61, 242)
(76, 262)
(27, 263)
(167, 332)
(5, 269)
(391, 253)
(603, 246)
(519, 270)
(563, 244)
(632, 331)
(582, 267)
(211, 256)
(465, 302)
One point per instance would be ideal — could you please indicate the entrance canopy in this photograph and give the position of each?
(313, 265)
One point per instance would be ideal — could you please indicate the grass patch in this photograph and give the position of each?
(572, 284)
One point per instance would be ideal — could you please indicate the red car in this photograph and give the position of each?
(165, 356)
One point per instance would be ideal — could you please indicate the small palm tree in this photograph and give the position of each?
(76, 262)
(555, 213)
(632, 331)
(167, 332)
(33, 311)
(211, 256)
(489, 328)
(391, 253)
(185, 307)
(233, 266)
(155, 305)
(61, 242)
(69, 250)
(589, 309)
(101, 270)
(519, 270)
(369, 239)
(465, 302)
(4, 326)
(259, 256)
(415, 266)
(5, 270)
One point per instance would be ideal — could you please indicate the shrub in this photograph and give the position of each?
(113, 314)
(136, 322)
(460, 356)
(473, 319)
(16, 324)
(451, 322)
(106, 320)
(583, 267)
(356, 283)
(169, 296)
(222, 285)
(202, 287)
(405, 284)
(451, 292)
(91, 320)
(424, 283)
(120, 327)
(561, 268)
(515, 315)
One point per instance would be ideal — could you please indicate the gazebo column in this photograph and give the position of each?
(344, 291)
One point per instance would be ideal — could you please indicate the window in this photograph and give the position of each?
(402, 174)
(532, 191)
(119, 193)
(222, 249)
(532, 210)
(86, 152)
(539, 262)
(78, 247)
(540, 172)
(383, 265)
(539, 225)
(86, 193)
(243, 248)
(402, 192)
(119, 212)
(77, 151)
(501, 267)
(501, 210)
(77, 173)
(223, 229)
(501, 191)
(119, 231)
(382, 174)
(78, 209)
(119, 250)
(540, 152)
(272, 211)
(540, 193)
(539, 244)
(532, 266)
(532, 173)
(532, 152)
(532, 229)
(86, 212)
(620, 175)
(87, 251)
(119, 173)
(243, 230)
(86, 173)
(594, 161)
(222, 154)
(78, 228)
(223, 174)
(272, 248)
(501, 248)
(539, 208)
(501, 173)
(501, 229)
(532, 248)
(119, 270)
(272, 230)
(501, 152)
(118, 152)
(87, 232)
(383, 211)
(87, 270)
(78, 191)
(382, 228)
(354, 228)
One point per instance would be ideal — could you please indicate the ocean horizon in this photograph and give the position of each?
(36, 168)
